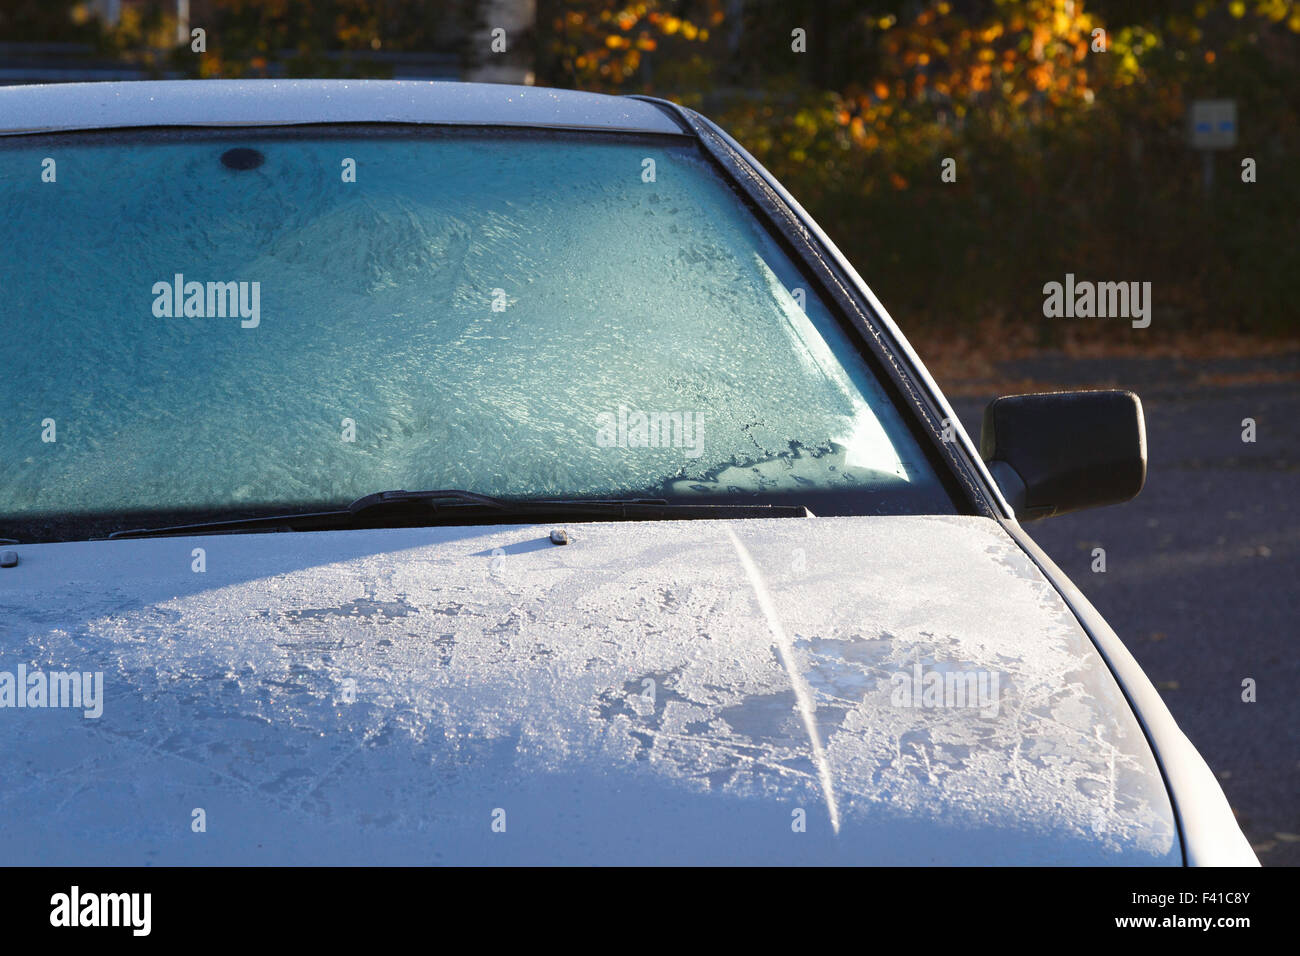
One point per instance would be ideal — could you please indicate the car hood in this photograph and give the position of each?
(759, 691)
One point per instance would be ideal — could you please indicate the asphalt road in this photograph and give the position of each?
(1202, 575)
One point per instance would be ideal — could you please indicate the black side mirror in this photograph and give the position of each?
(1057, 452)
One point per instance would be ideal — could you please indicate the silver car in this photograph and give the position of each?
(442, 473)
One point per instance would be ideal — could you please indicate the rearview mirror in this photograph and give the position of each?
(1056, 452)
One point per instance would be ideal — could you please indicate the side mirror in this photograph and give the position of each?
(1056, 452)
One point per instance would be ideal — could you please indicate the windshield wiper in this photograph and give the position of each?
(414, 509)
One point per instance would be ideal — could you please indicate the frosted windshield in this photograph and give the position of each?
(306, 320)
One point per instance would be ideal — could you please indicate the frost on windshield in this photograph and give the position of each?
(502, 315)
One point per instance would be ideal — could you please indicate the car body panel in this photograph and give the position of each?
(662, 692)
(1209, 830)
(89, 106)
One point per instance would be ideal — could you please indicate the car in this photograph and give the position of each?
(438, 473)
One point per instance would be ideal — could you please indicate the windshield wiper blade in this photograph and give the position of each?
(428, 508)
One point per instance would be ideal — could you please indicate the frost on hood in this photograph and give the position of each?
(622, 698)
